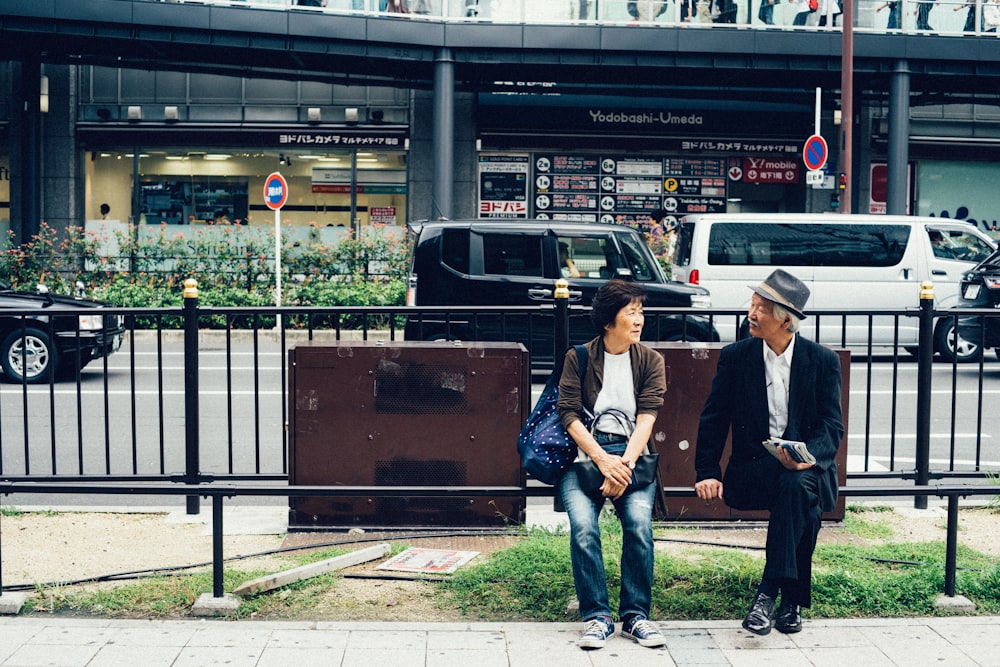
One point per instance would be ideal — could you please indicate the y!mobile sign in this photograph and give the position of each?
(770, 170)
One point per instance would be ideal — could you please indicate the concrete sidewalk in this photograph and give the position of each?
(30, 641)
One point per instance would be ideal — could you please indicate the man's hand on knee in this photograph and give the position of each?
(708, 489)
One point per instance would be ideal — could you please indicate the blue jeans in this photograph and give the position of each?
(635, 511)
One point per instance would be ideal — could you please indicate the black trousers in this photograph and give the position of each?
(792, 498)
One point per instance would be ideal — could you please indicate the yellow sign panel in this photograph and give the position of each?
(670, 185)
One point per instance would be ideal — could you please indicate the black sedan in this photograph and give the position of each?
(980, 288)
(39, 343)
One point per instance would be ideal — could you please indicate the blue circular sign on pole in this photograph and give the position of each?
(814, 152)
(275, 191)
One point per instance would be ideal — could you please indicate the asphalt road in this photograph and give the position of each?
(96, 430)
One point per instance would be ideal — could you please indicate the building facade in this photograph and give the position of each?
(143, 114)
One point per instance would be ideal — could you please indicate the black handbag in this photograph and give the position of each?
(590, 476)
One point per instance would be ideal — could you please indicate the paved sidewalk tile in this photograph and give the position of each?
(34, 641)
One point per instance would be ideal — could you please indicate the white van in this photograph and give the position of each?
(849, 262)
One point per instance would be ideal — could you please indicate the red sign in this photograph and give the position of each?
(382, 215)
(503, 209)
(770, 170)
(814, 152)
(275, 191)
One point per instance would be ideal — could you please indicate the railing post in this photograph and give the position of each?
(218, 590)
(191, 420)
(924, 360)
(561, 333)
(951, 548)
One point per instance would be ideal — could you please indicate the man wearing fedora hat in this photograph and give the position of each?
(775, 384)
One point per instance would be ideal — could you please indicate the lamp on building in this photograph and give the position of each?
(104, 114)
(171, 114)
(378, 115)
(134, 113)
(43, 97)
(281, 158)
(351, 114)
(314, 114)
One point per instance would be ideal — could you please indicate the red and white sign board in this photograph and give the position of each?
(503, 209)
(382, 215)
(770, 170)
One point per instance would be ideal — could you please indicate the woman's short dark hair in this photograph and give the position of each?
(612, 297)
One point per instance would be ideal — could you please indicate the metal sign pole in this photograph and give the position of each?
(277, 257)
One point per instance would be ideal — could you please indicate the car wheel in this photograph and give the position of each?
(28, 356)
(952, 349)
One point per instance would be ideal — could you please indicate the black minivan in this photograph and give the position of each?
(516, 263)
(980, 288)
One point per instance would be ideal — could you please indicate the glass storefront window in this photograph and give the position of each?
(197, 186)
(956, 190)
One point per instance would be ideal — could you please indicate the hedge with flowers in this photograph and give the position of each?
(234, 267)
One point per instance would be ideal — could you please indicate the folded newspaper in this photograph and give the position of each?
(796, 448)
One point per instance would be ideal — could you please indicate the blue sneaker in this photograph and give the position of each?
(596, 633)
(643, 631)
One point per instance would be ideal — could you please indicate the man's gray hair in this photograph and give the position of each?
(782, 313)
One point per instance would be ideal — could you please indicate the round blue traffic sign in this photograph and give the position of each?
(275, 191)
(814, 152)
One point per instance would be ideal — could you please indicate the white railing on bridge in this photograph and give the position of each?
(939, 17)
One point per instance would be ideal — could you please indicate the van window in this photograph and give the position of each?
(588, 255)
(743, 244)
(637, 262)
(958, 244)
(512, 255)
(455, 249)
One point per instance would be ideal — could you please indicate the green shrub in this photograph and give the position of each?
(233, 264)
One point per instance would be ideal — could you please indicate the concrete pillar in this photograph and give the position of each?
(899, 140)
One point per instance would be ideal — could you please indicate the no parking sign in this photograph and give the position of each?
(814, 152)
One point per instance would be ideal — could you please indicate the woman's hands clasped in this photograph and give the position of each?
(617, 475)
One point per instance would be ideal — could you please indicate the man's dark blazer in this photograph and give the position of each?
(738, 399)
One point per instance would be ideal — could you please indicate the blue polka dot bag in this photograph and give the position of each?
(546, 449)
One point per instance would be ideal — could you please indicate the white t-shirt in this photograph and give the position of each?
(618, 391)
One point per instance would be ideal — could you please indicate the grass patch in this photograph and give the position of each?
(861, 509)
(532, 580)
(12, 511)
(856, 525)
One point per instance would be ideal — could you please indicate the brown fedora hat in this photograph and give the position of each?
(784, 289)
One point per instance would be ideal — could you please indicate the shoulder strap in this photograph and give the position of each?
(581, 361)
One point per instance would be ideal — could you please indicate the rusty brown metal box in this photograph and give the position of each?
(393, 413)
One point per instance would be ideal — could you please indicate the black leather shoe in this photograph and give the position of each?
(788, 619)
(758, 619)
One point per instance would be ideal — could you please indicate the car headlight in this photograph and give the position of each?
(991, 282)
(701, 301)
(91, 322)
